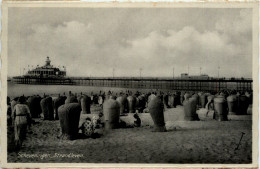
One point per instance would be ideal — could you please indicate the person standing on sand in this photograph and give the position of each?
(210, 110)
(210, 105)
(137, 122)
(100, 100)
(22, 119)
(9, 112)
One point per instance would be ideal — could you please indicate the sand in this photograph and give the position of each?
(185, 142)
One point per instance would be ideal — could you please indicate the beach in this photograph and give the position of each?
(158, 83)
(184, 142)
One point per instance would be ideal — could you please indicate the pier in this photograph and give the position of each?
(145, 83)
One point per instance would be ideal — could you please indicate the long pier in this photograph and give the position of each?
(211, 84)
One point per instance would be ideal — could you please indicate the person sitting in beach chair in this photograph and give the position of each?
(98, 122)
(209, 112)
(22, 119)
(137, 122)
(210, 105)
(98, 125)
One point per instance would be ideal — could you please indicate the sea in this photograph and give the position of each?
(16, 90)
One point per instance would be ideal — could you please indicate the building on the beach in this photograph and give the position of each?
(187, 76)
(47, 70)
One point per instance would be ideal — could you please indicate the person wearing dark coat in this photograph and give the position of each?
(137, 122)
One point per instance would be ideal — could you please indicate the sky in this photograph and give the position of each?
(93, 41)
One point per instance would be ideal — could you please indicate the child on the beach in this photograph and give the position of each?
(93, 128)
(98, 124)
(87, 127)
(137, 122)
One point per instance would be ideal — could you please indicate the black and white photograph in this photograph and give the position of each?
(130, 83)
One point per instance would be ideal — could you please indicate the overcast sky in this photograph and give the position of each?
(93, 41)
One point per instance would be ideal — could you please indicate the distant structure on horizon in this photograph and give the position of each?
(44, 75)
(202, 76)
(47, 70)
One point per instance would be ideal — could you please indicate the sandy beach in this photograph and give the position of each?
(184, 142)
